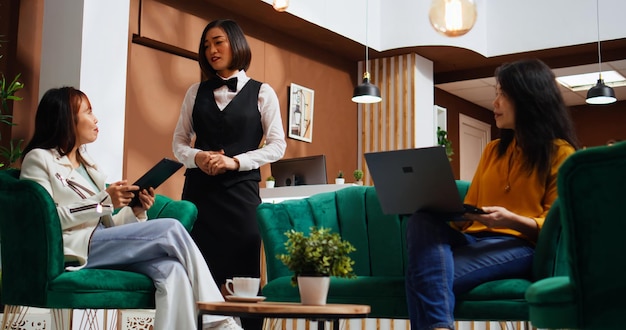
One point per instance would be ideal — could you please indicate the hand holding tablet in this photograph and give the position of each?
(155, 177)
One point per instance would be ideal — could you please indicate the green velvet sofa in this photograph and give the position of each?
(33, 269)
(380, 258)
(592, 196)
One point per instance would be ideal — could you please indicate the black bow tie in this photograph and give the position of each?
(230, 83)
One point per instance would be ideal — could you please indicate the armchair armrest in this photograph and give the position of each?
(165, 207)
(551, 303)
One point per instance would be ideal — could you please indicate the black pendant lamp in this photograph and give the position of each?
(600, 93)
(366, 92)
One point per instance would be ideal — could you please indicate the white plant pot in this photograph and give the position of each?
(340, 180)
(313, 289)
(270, 184)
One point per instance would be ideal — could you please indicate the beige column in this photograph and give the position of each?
(85, 45)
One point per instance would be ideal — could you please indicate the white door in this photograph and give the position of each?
(473, 137)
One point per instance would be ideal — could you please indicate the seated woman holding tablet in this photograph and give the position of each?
(94, 238)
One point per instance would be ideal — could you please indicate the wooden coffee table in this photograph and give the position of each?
(328, 312)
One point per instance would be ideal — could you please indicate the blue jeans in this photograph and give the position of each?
(443, 262)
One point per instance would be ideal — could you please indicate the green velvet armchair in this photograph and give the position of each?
(33, 269)
(380, 259)
(591, 186)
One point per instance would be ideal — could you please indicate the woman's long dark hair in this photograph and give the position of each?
(242, 56)
(56, 119)
(540, 113)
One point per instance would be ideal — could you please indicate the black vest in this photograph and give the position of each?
(236, 129)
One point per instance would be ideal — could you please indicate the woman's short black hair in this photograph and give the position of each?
(241, 56)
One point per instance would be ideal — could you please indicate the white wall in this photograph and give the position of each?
(85, 45)
(61, 49)
(103, 78)
(502, 27)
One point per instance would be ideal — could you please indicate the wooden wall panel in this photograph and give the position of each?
(388, 125)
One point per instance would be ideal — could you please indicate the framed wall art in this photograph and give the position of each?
(300, 113)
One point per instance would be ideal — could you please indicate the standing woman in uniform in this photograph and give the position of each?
(228, 115)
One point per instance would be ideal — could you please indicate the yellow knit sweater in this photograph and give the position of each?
(504, 182)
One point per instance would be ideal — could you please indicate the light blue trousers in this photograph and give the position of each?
(163, 250)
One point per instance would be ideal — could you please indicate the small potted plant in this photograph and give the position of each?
(358, 177)
(270, 181)
(442, 140)
(340, 179)
(313, 259)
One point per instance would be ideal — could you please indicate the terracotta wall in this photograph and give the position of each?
(596, 125)
(157, 82)
(23, 37)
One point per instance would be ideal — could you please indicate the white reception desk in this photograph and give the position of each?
(279, 194)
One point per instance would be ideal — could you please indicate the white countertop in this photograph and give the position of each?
(279, 194)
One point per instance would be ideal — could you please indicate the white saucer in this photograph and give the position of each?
(244, 299)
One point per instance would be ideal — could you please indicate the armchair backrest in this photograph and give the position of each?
(551, 252)
(31, 238)
(353, 212)
(592, 192)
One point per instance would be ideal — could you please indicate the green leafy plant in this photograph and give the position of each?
(322, 253)
(442, 140)
(270, 178)
(7, 93)
(340, 175)
(358, 174)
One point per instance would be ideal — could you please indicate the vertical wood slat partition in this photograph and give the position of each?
(388, 125)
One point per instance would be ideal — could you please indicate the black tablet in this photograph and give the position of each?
(155, 176)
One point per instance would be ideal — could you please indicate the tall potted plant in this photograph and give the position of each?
(13, 151)
(313, 259)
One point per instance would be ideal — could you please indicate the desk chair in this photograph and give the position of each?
(592, 193)
(33, 268)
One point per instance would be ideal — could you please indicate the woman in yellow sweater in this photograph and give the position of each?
(514, 184)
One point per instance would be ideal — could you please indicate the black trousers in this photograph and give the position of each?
(226, 230)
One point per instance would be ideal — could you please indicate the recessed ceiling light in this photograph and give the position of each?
(582, 82)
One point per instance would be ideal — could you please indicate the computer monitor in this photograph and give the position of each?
(300, 171)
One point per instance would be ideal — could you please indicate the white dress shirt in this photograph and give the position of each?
(274, 146)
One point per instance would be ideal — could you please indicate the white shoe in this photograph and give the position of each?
(227, 324)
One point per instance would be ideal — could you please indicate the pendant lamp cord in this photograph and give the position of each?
(598, 28)
(367, 64)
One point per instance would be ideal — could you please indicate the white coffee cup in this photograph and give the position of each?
(243, 286)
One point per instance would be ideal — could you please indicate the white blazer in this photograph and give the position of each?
(80, 208)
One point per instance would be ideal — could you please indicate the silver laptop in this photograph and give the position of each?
(409, 180)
